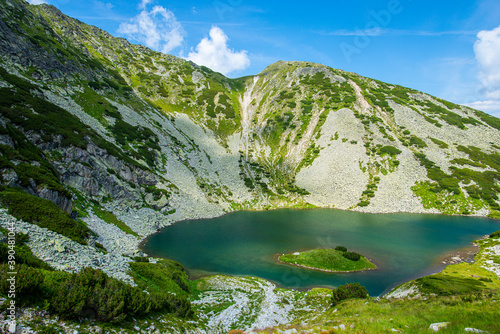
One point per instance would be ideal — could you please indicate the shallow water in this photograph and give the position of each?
(404, 246)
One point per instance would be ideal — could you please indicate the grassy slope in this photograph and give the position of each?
(409, 316)
(327, 259)
(464, 294)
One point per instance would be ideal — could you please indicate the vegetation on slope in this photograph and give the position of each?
(43, 213)
(89, 294)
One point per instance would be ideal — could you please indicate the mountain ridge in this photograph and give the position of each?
(280, 112)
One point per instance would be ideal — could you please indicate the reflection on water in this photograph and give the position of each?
(404, 246)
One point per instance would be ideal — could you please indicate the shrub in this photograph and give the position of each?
(414, 140)
(93, 293)
(349, 291)
(341, 248)
(28, 281)
(43, 213)
(24, 255)
(391, 150)
(495, 235)
(352, 256)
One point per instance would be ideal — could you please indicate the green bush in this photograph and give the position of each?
(24, 255)
(495, 235)
(43, 213)
(440, 143)
(414, 140)
(341, 248)
(28, 282)
(166, 275)
(352, 256)
(391, 150)
(92, 292)
(349, 291)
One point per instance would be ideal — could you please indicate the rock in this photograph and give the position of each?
(58, 246)
(63, 202)
(10, 178)
(290, 331)
(12, 327)
(438, 325)
(474, 330)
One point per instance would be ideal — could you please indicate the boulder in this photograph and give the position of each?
(58, 246)
(438, 325)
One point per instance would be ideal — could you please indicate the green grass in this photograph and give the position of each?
(327, 259)
(110, 218)
(440, 143)
(441, 200)
(164, 276)
(408, 316)
(447, 285)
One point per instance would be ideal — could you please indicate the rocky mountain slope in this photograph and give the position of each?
(103, 142)
(154, 134)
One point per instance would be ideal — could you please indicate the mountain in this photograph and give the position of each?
(104, 142)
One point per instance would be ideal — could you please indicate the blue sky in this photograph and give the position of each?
(450, 49)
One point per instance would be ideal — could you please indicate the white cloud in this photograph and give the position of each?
(157, 29)
(214, 53)
(144, 3)
(489, 106)
(37, 2)
(487, 49)
(101, 7)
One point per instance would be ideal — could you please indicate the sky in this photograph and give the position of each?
(449, 49)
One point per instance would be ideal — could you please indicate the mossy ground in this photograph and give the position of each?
(327, 259)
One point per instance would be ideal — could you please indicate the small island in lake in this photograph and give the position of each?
(331, 260)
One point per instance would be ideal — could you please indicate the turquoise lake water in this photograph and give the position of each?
(404, 246)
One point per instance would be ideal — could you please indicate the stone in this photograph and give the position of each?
(474, 330)
(438, 325)
(12, 327)
(10, 178)
(58, 246)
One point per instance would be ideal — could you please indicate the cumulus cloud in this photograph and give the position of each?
(144, 3)
(487, 49)
(157, 29)
(37, 2)
(214, 53)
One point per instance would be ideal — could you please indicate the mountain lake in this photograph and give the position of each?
(245, 243)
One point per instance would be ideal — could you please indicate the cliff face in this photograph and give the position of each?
(91, 121)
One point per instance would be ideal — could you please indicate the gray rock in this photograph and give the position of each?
(63, 202)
